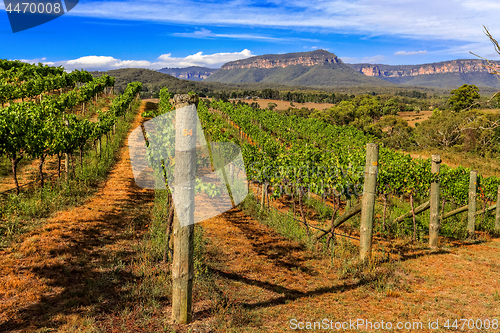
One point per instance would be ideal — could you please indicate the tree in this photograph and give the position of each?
(369, 107)
(398, 133)
(390, 107)
(442, 130)
(271, 105)
(464, 97)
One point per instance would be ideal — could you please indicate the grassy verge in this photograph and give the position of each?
(379, 275)
(20, 213)
(283, 224)
(486, 166)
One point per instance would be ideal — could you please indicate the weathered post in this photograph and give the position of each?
(497, 215)
(472, 204)
(263, 196)
(184, 191)
(434, 203)
(66, 155)
(368, 203)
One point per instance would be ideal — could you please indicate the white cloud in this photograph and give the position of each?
(165, 60)
(33, 61)
(451, 20)
(410, 52)
(370, 60)
(207, 34)
(200, 59)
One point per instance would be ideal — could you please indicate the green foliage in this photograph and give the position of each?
(464, 97)
(390, 107)
(412, 94)
(19, 212)
(271, 106)
(40, 129)
(164, 105)
(398, 135)
(440, 130)
(31, 80)
(314, 145)
(469, 131)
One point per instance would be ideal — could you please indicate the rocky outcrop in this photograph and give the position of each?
(284, 60)
(193, 73)
(454, 66)
(193, 76)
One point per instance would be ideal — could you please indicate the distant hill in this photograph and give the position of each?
(318, 68)
(153, 81)
(441, 74)
(193, 73)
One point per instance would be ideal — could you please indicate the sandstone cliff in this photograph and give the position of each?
(283, 60)
(454, 66)
(194, 73)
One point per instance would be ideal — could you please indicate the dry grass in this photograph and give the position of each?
(412, 118)
(283, 105)
(484, 165)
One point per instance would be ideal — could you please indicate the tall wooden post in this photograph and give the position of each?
(66, 165)
(66, 155)
(184, 191)
(497, 215)
(434, 203)
(368, 204)
(263, 196)
(472, 203)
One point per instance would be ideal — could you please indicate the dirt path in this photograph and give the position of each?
(76, 264)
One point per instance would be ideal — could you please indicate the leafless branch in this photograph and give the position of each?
(494, 68)
(493, 40)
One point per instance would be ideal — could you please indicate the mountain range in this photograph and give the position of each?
(321, 68)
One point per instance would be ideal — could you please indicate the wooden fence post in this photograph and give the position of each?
(434, 202)
(184, 191)
(263, 196)
(66, 155)
(368, 204)
(472, 204)
(497, 215)
(66, 164)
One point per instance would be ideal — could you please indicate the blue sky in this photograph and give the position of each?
(108, 34)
